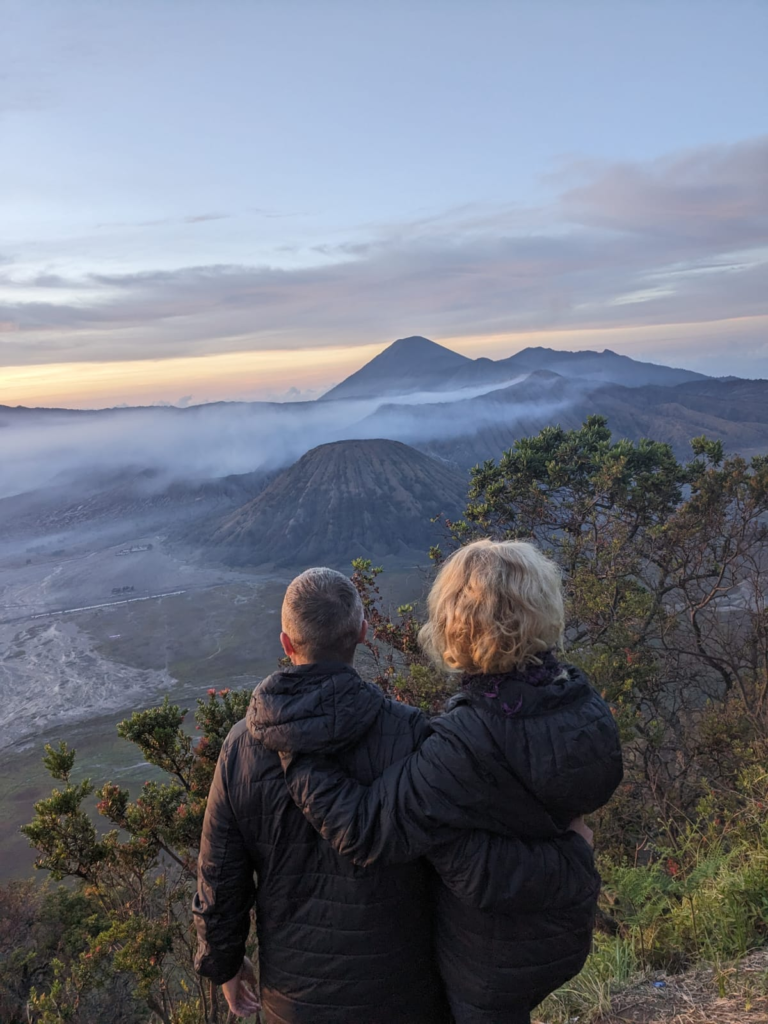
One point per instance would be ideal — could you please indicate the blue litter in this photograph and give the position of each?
(659, 984)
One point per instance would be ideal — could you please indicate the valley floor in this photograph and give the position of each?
(92, 632)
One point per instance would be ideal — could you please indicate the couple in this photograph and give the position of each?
(410, 871)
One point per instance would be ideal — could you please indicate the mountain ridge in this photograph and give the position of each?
(416, 364)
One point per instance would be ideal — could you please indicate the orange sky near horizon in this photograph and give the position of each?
(255, 375)
(227, 376)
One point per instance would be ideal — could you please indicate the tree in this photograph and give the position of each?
(399, 665)
(666, 573)
(138, 877)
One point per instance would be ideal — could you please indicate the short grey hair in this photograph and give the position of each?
(322, 613)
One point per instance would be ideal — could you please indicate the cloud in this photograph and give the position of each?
(715, 196)
(294, 394)
(674, 240)
(193, 218)
(274, 214)
(212, 440)
(20, 95)
(198, 218)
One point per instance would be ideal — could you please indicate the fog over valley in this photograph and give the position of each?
(43, 447)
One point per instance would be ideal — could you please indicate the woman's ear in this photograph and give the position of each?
(363, 632)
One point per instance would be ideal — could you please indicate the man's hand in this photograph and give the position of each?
(241, 991)
(580, 826)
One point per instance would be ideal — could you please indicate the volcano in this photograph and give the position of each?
(372, 498)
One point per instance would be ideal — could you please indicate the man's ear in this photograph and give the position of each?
(288, 647)
(363, 632)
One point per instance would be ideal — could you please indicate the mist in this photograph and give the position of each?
(41, 448)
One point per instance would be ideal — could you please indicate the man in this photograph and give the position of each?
(338, 944)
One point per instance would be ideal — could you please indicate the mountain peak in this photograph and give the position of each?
(407, 365)
(414, 341)
(417, 348)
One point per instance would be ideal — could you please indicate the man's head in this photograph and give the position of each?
(323, 618)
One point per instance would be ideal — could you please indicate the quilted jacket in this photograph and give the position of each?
(516, 758)
(338, 944)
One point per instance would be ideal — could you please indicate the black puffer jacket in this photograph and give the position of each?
(338, 944)
(519, 759)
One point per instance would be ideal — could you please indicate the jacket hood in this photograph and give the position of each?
(311, 709)
(527, 694)
(558, 737)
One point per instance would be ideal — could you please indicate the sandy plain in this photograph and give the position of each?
(89, 635)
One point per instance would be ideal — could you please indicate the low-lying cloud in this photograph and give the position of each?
(56, 447)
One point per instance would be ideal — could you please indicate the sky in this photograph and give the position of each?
(244, 199)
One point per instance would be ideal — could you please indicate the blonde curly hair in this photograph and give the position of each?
(495, 606)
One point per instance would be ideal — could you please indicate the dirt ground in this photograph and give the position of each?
(732, 996)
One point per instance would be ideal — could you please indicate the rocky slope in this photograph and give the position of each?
(372, 498)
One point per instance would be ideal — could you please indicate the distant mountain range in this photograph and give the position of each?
(391, 447)
(471, 430)
(418, 364)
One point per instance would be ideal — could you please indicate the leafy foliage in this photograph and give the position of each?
(136, 879)
(400, 667)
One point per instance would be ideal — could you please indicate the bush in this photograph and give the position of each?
(128, 931)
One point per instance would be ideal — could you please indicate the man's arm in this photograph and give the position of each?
(225, 886)
(415, 805)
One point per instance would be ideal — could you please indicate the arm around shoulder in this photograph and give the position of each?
(411, 808)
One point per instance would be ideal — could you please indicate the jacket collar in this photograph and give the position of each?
(515, 696)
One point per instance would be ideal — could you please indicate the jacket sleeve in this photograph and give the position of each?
(225, 885)
(415, 804)
(504, 875)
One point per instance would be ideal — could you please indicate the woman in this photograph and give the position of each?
(525, 746)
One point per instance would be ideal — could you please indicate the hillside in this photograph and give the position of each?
(127, 501)
(371, 498)
(598, 366)
(469, 431)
